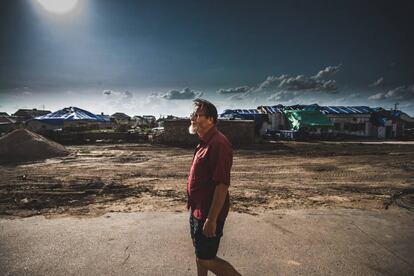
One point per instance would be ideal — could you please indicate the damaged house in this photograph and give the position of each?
(72, 118)
(350, 120)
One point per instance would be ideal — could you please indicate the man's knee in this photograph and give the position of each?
(206, 263)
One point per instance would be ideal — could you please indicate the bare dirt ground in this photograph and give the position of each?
(96, 179)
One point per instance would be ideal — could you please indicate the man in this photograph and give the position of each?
(207, 189)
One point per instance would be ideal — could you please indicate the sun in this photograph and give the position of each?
(58, 6)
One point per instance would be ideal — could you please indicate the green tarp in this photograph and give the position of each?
(307, 118)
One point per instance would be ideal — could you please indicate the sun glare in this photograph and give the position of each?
(58, 6)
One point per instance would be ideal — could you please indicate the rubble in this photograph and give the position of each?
(22, 145)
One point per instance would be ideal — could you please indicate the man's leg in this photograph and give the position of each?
(201, 270)
(218, 266)
(207, 248)
(194, 226)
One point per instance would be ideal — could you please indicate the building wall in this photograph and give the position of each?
(239, 132)
(345, 121)
(7, 127)
(390, 130)
(277, 121)
(39, 126)
(36, 126)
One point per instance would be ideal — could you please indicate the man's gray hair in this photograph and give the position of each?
(208, 108)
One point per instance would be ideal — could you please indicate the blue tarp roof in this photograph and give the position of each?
(333, 109)
(346, 109)
(252, 114)
(244, 114)
(272, 109)
(72, 114)
(241, 111)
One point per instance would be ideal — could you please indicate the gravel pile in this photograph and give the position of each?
(22, 145)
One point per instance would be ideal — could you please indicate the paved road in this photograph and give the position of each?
(286, 242)
(370, 142)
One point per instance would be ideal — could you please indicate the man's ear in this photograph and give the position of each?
(211, 120)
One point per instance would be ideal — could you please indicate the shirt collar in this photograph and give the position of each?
(210, 133)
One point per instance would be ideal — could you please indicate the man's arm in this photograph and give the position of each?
(220, 193)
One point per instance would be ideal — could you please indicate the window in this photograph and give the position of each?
(354, 127)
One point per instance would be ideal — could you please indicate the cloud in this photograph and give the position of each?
(392, 64)
(378, 96)
(283, 96)
(302, 82)
(154, 104)
(327, 72)
(237, 90)
(119, 99)
(379, 82)
(122, 95)
(401, 93)
(185, 94)
(236, 97)
(271, 82)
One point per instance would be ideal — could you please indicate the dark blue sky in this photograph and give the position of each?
(112, 55)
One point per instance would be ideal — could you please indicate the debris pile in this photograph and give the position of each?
(22, 145)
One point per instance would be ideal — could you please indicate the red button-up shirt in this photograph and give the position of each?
(211, 166)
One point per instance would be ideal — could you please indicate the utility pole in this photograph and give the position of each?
(395, 106)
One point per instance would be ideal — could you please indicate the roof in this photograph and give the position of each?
(242, 111)
(32, 113)
(406, 117)
(120, 115)
(72, 114)
(243, 114)
(346, 110)
(310, 107)
(271, 109)
(7, 120)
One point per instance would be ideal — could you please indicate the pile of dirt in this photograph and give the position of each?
(22, 145)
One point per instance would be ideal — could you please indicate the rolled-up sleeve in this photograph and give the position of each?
(221, 161)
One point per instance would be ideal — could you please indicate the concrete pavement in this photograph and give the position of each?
(284, 242)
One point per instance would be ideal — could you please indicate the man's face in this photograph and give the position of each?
(199, 122)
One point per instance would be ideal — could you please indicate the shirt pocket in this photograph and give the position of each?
(201, 168)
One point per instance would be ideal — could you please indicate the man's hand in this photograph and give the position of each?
(209, 228)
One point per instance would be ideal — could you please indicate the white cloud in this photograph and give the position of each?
(283, 96)
(379, 82)
(27, 93)
(401, 93)
(122, 95)
(302, 82)
(237, 90)
(236, 97)
(378, 96)
(271, 82)
(185, 94)
(273, 85)
(118, 100)
(327, 72)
